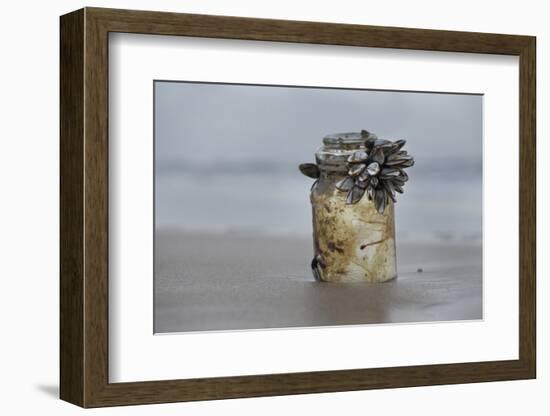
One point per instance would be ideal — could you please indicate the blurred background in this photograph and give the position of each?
(227, 156)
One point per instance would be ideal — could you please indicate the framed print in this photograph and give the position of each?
(255, 207)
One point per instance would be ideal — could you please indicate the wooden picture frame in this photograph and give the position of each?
(84, 207)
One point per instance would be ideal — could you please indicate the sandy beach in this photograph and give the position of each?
(229, 282)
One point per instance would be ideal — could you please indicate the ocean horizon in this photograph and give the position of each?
(442, 201)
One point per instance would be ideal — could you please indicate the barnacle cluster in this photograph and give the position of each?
(378, 170)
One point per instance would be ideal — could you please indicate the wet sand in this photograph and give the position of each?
(229, 282)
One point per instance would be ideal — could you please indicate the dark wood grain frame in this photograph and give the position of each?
(84, 218)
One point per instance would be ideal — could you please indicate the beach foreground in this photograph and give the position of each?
(207, 282)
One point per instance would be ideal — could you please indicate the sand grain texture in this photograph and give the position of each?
(229, 282)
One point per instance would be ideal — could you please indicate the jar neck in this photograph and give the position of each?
(332, 169)
(335, 160)
(332, 157)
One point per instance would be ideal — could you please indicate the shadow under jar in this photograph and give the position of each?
(353, 206)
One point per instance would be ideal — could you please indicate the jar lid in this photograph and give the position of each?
(343, 139)
(333, 155)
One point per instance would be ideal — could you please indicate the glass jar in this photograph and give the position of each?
(353, 241)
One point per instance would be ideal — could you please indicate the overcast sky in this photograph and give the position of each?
(214, 121)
